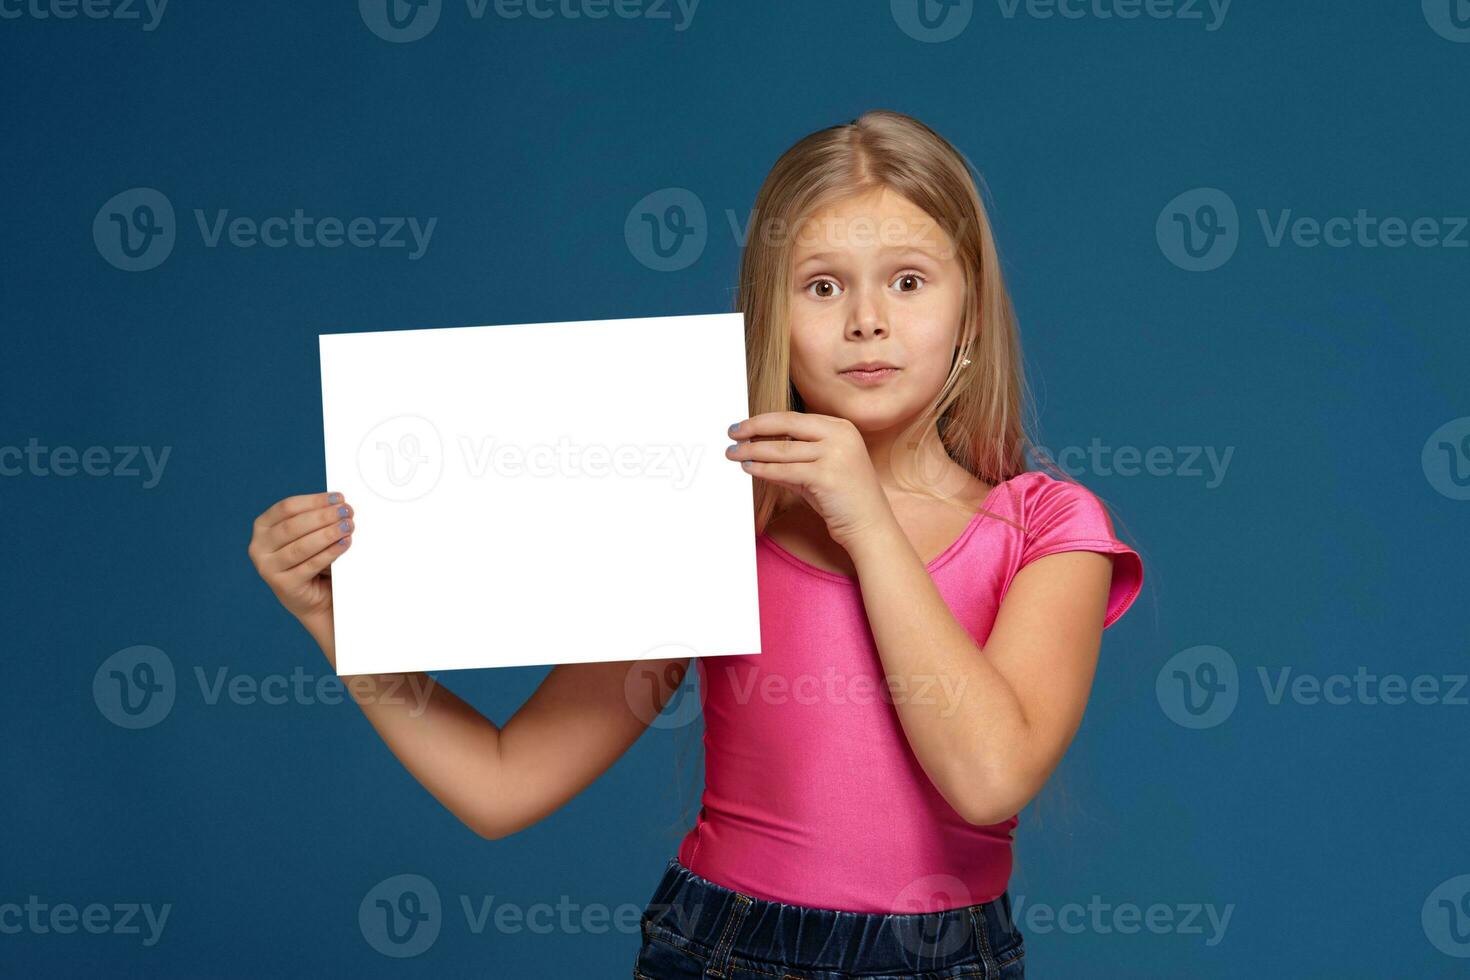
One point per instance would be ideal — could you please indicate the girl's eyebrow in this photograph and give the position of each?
(900, 250)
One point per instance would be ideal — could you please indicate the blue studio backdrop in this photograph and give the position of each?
(1236, 235)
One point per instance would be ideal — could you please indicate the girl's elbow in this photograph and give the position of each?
(996, 804)
(491, 825)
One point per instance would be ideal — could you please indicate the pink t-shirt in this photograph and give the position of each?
(812, 794)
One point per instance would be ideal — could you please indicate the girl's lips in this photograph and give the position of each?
(876, 376)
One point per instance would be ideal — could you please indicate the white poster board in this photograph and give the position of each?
(540, 493)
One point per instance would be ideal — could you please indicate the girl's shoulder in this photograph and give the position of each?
(1053, 515)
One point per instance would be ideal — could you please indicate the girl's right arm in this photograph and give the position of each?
(496, 780)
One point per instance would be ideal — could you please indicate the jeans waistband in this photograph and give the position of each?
(717, 923)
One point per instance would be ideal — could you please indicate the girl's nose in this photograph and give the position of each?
(867, 321)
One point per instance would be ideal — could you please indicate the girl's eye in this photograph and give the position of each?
(909, 282)
(824, 289)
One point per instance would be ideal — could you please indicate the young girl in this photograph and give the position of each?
(931, 611)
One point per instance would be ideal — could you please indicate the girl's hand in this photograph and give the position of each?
(827, 463)
(293, 546)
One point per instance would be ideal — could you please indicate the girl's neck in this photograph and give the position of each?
(927, 465)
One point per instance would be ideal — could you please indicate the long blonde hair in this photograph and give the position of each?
(979, 409)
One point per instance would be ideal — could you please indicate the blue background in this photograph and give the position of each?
(1328, 546)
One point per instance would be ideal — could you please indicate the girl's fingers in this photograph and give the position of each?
(291, 506)
(307, 546)
(775, 451)
(788, 474)
(316, 564)
(294, 528)
(796, 425)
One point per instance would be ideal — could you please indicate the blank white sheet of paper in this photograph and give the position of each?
(540, 493)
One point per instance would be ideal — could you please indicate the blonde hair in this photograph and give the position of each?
(979, 409)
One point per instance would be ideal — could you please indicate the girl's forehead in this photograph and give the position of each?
(871, 220)
(872, 203)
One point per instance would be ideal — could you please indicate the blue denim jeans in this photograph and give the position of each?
(694, 928)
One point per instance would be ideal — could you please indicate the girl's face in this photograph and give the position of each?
(874, 278)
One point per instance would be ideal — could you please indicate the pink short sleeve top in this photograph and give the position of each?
(812, 795)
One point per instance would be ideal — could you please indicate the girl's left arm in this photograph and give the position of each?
(987, 726)
(990, 725)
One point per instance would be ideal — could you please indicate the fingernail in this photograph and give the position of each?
(745, 463)
(342, 511)
(733, 427)
(733, 445)
(334, 498)
(345, 526)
